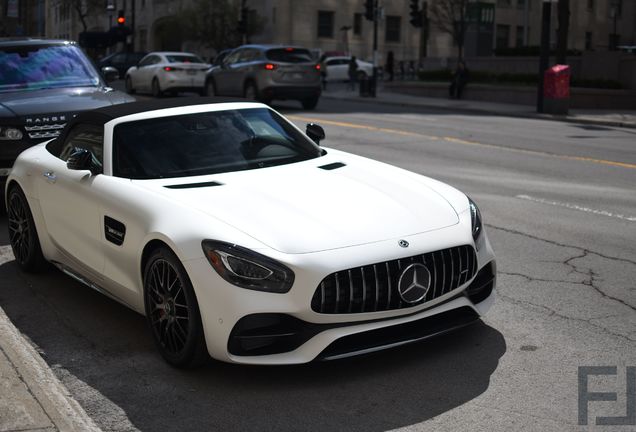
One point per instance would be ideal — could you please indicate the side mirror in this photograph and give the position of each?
(110, 73)
(80, 159)
(315, 132)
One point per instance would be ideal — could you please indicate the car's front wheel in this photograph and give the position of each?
(172, 310)
(129, 86)
(156, 89)
(23, 235)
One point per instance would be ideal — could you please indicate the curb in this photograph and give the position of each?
(551, 117)
(64, 412)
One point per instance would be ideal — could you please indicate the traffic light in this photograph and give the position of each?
(369, 10)
(121, 19)
(242, 24)
(416, 14)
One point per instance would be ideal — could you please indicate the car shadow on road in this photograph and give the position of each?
(108, 347)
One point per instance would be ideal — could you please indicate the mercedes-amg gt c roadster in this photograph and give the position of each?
(237, 235)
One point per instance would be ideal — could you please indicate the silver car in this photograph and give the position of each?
(267, 72)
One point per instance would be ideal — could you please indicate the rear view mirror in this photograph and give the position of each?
(80, 159)
(315, 132)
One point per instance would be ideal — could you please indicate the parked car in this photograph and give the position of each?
(237, 235)
(122, 61)
(43, 84)
(338, 68)
(163, 72)
(267, 72)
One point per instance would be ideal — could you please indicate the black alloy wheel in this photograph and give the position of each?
(156, 90)
(172, 311)
(129, 86)
(23, 235)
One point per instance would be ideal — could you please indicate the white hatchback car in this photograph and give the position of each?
(338, 68)
(237, 235)
(161, 72)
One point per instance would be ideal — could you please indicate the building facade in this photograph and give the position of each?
(340, 25)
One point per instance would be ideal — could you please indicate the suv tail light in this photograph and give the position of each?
(270, 66)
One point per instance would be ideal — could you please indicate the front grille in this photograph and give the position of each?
(374, 287)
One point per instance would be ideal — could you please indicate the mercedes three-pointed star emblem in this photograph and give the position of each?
(414, 283)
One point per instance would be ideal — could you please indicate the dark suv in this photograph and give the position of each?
(43, 84)
(267, 72)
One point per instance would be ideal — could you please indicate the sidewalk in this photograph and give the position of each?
(625, 119)
(31, 396)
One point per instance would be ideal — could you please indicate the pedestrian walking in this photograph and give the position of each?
(353, 73)
(459, 81)
(390, 63)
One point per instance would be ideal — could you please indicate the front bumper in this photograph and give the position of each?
(252, 327)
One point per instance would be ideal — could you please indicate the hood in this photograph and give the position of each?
(58, 100)
(301, 208)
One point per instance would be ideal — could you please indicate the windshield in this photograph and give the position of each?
(207, 143)
(42, 66)
(289, 55)
(183, 59)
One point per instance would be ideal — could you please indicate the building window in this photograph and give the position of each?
(615, 9)
(143, 39)
(521, 4)
(357, 24)
(504, 3)
(588, 41)
(503, 36)
(325, 24)
(274, 16)
(393, 27)
(590, 5)
(519, 37)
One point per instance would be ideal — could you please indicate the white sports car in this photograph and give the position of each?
(237, 235)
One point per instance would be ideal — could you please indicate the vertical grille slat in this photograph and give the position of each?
(346, 292)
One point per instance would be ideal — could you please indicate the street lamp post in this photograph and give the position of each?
(544, 57)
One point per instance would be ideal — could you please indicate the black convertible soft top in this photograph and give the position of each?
(101, 116)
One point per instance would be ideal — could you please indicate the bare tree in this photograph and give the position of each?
(83, 8)
(214, 23)
(563, 16)
(451, 16)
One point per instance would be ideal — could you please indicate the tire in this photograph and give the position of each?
(129, 86)
(23, 234)
(210, 88)
(251, 92)
(172, 311)
(156, 89)
(310, 103)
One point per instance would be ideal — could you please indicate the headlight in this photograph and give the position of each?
(475, 219)
(247, 269)
(10, 134)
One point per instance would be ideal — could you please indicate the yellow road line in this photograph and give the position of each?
(462, 141)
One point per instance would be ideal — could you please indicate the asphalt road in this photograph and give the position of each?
(559, 203)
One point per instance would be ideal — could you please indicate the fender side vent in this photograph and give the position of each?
(332, 166)
(194, 185)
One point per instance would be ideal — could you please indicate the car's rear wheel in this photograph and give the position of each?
(129, 85)
(172, 310)
(23, 235)
(310, 103)
(251, 92)
(210, 88)
(156, 89)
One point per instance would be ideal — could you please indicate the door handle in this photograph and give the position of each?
(50, 176)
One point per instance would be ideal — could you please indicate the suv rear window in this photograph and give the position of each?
(45, 66)
(289, 55)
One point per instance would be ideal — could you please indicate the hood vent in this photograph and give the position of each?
(194, 185)
(332, 166)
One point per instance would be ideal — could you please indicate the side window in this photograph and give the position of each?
(86, 137)
(233, 57)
